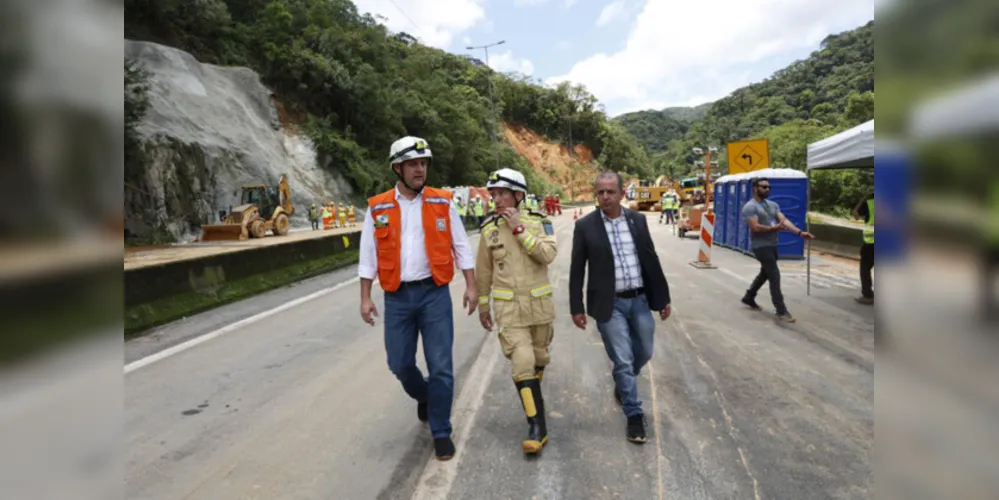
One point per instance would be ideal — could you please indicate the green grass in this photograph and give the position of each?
(87, 308)
(142, 317)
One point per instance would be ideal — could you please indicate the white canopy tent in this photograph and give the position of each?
(852, 148)
(966, 111)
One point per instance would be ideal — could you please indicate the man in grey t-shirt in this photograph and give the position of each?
(765, 222)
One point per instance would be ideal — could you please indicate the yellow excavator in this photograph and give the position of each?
(648, 194)
(262, 209)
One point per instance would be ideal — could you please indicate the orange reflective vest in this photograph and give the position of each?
(388, 236)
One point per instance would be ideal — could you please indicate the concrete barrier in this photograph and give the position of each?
(158, 294)
(838, 240)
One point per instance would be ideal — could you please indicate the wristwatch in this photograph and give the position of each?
(519, 229)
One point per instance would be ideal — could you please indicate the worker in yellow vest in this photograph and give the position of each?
(865, 211)
(462, 209)
(342, 212)
(479, 210)
(350, 215)
(314, 216)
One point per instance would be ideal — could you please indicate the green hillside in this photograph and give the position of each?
(356, 88)
(830, 91)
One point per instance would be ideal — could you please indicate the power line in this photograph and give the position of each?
(405, 15)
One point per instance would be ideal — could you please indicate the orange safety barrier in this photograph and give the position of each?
(707, 239)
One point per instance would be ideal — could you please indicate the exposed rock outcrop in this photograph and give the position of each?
(208, 131)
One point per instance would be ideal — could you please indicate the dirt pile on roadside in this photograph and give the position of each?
(552, 161)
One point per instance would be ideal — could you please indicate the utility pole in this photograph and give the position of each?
(708, 194)
(492, 104)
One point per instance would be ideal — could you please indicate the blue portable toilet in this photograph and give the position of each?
(744, 193)
(789, 189)
(732, 208)
(721, 216)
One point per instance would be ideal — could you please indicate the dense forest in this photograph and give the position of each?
(830, 91)
(354, 88)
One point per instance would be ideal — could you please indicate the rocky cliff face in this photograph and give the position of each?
(208, 131)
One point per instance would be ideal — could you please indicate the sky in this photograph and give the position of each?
(631, 54)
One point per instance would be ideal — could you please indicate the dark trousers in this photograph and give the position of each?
(866, 265)
(669, 217)
(769, 271)
(315, 224)
(415, 310)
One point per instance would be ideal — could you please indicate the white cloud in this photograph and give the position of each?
(611, 12)
(681, 53)
(432, 23)
(505, 62)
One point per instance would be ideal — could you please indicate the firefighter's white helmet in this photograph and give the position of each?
(409, 148)
(507, 178)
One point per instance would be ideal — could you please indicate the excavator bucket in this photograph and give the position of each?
(223, 232)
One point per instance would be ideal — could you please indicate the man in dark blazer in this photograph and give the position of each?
(626, 283)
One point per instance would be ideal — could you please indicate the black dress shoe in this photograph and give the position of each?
(444, 448)
(636, 429)
(421, 412)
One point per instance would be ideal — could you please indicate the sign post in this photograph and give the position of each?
(748, 156)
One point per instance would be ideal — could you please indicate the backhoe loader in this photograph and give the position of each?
(262, 209)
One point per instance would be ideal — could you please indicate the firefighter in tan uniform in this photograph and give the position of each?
(511, 268)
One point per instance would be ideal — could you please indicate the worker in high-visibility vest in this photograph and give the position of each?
(314, 216)
(342, 212)
(462, 209)
(333, 214)
(666, 207)
(479, 210)
(865, 211)
(327, 217)
(350, 215)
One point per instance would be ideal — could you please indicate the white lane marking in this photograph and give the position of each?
(166, 353)
(660, 457)
(438, 477)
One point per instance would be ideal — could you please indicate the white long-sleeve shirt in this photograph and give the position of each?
(413, 255)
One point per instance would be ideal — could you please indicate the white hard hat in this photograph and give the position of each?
(409, 148)
(507, 178)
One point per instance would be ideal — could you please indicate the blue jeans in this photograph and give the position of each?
(628, 338)
(423, 309)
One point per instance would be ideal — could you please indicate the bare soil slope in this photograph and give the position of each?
(553, 162)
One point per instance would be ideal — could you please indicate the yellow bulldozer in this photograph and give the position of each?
(261, 209)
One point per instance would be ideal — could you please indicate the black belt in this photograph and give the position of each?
(630, 294)
(425, 281)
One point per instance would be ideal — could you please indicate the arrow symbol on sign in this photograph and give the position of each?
(748, 157)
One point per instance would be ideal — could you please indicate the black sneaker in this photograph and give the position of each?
(444, 448)
(636, 429)
(751, 302)
(421, 412)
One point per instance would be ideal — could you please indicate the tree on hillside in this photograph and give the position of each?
(810, 99)
(360, 87)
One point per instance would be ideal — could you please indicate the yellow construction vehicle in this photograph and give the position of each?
(648, 194)
(262, 209)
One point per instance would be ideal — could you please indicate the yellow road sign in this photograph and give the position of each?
(748, 156)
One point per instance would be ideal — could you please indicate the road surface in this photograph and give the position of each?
(299, 403)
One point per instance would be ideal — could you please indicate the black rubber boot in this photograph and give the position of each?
(537, 432)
